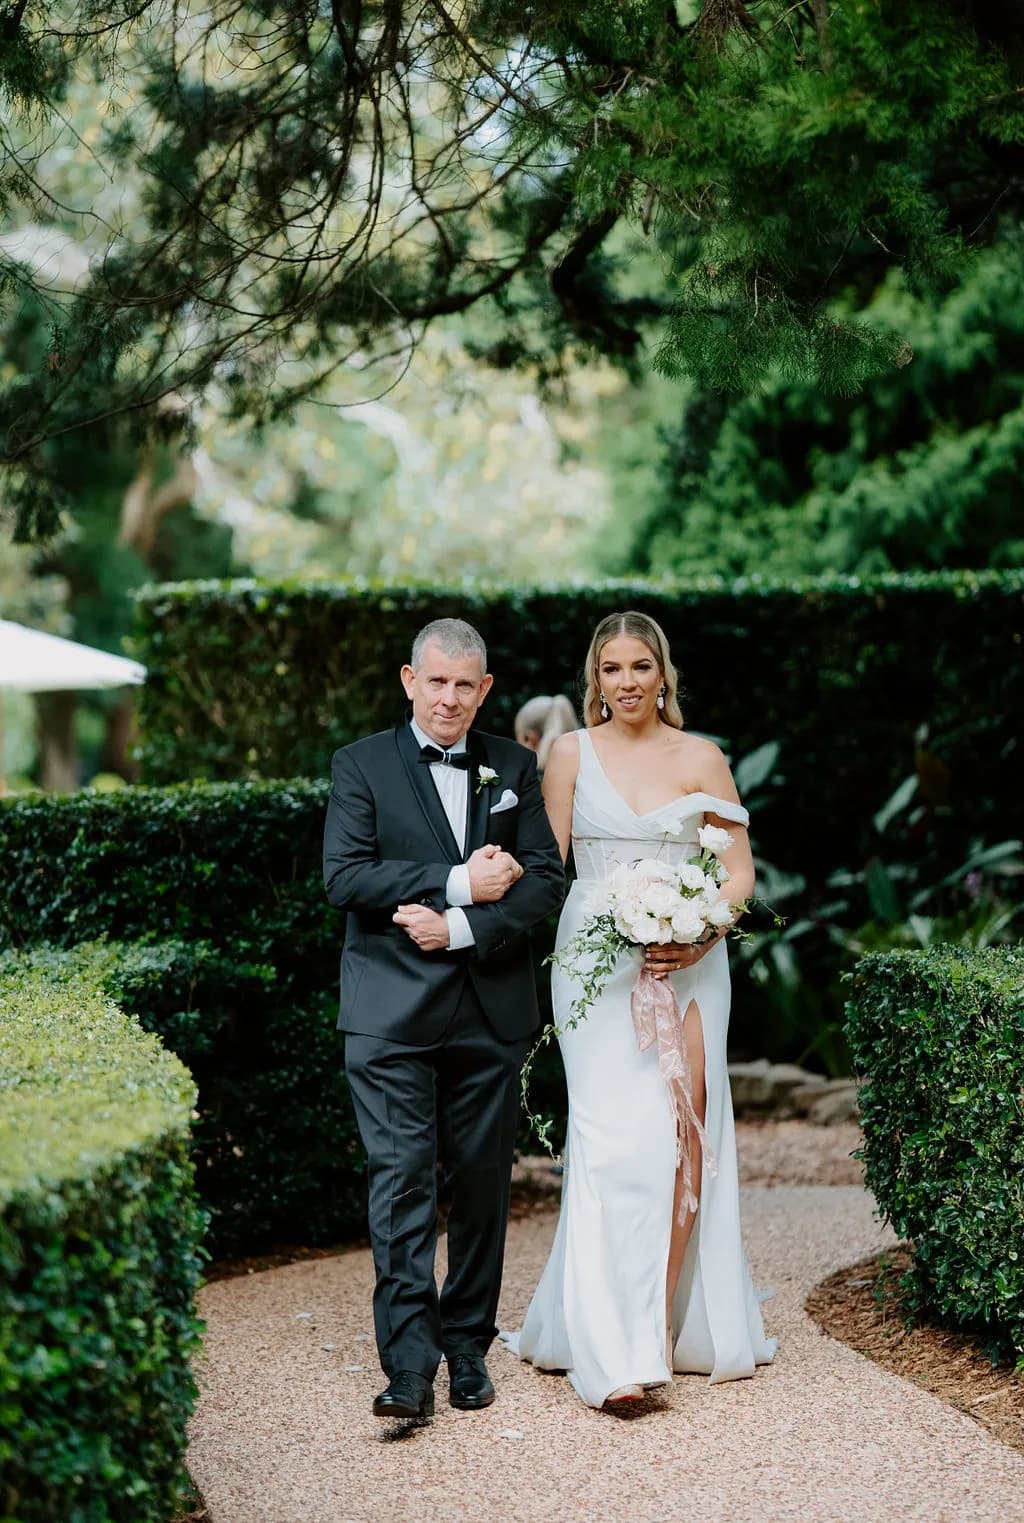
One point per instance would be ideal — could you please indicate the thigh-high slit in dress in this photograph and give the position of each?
(599, 1310)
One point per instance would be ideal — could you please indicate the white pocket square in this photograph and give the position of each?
(508, 800)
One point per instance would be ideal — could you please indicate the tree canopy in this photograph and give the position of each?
(920, 470)
(292, 189)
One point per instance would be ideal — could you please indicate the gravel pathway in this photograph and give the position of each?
(284, 1434)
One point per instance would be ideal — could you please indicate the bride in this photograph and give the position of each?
(644, 1277)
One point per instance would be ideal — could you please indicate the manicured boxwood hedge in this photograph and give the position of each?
(199, 1002)
(251, 1008)
(99, 1258)
(857, 681)
(938, 1040)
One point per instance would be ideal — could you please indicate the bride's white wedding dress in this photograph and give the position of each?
(599, 1310)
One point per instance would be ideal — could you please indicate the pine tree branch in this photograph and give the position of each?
(826, 52)
(461, 301)
(12, 21)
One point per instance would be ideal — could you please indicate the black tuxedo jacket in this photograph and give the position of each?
(387, 842)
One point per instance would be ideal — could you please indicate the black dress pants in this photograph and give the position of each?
(456, 1100)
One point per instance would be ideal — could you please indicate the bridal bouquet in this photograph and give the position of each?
(646, 903)
(641, 904)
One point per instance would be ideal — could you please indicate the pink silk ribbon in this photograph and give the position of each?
(656, 1018)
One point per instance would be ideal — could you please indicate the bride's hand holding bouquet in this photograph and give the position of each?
(676, 914)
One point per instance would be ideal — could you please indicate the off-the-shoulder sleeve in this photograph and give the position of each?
(707, 803)
(727, 810)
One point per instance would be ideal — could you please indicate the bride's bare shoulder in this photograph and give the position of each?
(564, 756)
(709, 767)
(704, 763)
(693, 747)
(567, 744)
(700, 746)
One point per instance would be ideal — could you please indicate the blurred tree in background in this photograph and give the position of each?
(460, 470)
(920, 470)
(304, 187)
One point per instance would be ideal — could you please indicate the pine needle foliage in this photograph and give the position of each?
(306, 186)
(920, 470)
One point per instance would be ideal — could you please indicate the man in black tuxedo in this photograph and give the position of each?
(437, 844)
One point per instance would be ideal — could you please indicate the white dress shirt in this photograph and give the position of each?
(452, 784)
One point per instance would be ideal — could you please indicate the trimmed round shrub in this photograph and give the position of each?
(938, 1040)
(99, 1258)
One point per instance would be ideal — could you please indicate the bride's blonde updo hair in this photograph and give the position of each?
(640, 627)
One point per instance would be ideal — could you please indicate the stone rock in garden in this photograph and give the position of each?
(826, 1101)
(761, 1088)
(837, 1104)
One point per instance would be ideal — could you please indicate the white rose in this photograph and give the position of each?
(645, 929)
(722, 873)
(712, 838)
(690, 875)
(721, 913)
(629, 909)
(653, 871)
(660, 899)
(687, 927)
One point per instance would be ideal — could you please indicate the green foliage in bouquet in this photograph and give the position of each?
(937, 1038)
(99, 1257)
(235, 966)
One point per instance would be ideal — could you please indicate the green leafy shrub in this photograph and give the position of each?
(247, 996)
(187, 993)
(198, 1001)
(937, 1038)
(853, 680)
(99, 1258)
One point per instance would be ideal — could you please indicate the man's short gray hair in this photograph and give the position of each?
(454, 636)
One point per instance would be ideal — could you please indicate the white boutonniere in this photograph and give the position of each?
(486, 777)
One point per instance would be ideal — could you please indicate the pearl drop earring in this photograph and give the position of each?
(605, 710)
(661, 699)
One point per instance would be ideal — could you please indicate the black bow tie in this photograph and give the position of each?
(431, 754)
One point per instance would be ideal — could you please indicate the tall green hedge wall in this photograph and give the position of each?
(245, 993)
(938, 1040)
(854, 679)
(99, 1258)
(863, 686)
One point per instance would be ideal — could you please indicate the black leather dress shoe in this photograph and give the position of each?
(471, 1386)
(408, 1395)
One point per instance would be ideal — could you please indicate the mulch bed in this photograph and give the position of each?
(952, 1366)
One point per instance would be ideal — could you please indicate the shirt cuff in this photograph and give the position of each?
(460, 932)
(458, 890)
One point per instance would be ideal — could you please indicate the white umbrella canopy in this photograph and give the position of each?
(34, 662)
